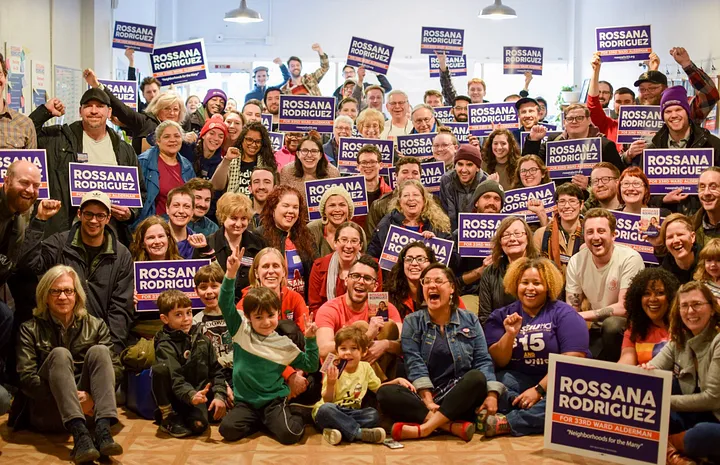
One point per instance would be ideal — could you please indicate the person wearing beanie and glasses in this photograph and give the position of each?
(213, 104)
(458, 185)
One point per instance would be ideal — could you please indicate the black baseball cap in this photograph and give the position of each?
(525, 100)
(95, 94)
(656, 77)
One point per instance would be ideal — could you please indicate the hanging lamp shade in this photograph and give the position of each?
(243, 14)
(497, 11)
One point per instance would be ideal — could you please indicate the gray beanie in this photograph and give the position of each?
(342, 192)
(489, 185)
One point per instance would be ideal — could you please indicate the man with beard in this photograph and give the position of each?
(89, 141)
(352, 308)
(604, 181)
(262, 182)
(16, 130)
(272, 105)
(213, 104)
(457, 186)
(597, 279)
(349, 73)
(180, 206)
(398, 107)
(423, 119)
(707, 219)
(306, 84)
(252, 111)
(203, 198)
(260, 76)
(342, 127)
(444, 147)
(405, 168)
(460, 108)
(286, 155)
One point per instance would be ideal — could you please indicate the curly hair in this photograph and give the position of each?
(549, 273)
(638, 321)
(497, 251)
(299, 233)
(431, 210)
(369, 115)
(538, 161)
(679, 333)
(711, 251)
(266, 156)
(321, 171)
(635, 172)
(513, 152)
(396, 283)
(137, 248)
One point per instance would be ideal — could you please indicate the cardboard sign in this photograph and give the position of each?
(355, 185)
(483, 116)
(627, 233)
(430, 174)
(120, 183)
(623, 43)
(437, 39)
(461, 131)
(607, 411)
(566, 158)
(305, 113)
(516, 200)
(348, 148)
(277, 139)
(152, 278)
(135, 36)
(456, 64)
(443, 114)
(398, 238)
(519, 60)
(670, 169)
(416, 145)
(374, 56)
(179, 62)
(266, 119)
(637, 122)
(37, 157)
(125, 91)
(476, 231)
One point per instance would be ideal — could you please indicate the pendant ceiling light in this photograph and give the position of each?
(497, 11)
(243, 14)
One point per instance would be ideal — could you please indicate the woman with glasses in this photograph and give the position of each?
(500, 157)
(675, 247)
(310, 164)
(288, 153)
(563, 236)
(403, 282)
(327, 278)
(255, 150)
(336, 208)
(521, 337)
(448, 363)
(531, 172)
(694, 347)
(708, 267)
(370, 123)
(634, 192)
(510, 243)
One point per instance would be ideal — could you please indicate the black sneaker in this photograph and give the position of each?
(173, 426)
(84, 450)
(304, 411)
(105, 442)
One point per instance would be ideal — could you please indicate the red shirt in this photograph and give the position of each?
(604, 123)
(170, 178)
(335, 314)
(317, 290)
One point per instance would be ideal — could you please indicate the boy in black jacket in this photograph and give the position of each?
(187, 380)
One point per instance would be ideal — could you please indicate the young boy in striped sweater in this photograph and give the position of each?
(260, 355)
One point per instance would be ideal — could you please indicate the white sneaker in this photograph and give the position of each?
(333, 436)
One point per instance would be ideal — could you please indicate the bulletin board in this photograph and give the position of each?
(69, 87)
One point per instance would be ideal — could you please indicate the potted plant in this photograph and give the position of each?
(569, 94)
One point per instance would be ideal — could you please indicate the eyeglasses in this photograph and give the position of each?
(602, 180)
(398, 104)
(710, 187)
(570, 202)
(516, 235)
(56, 292)
(309, 151)
(88, 216)
(633, 184)
(366, 279)
(253, 141)
(292, 136)
(575, 119)
(441, 146)
(422, 120)
(418, 260)
(460, 107)
(345, 241)
(529, 171)
(368, 163)
(436, 281)
(685, 306)
(371, 126)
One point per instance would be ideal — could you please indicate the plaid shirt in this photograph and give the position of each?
(16, 131)
(311, 81)
(706, 94)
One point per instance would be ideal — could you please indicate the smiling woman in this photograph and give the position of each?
(310, 164)
(336, 207)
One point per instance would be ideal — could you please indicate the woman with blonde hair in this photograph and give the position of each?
(336, 207)
(67, 368)
(370, 123)
(708, 267)
(153, 240)
(677, 241)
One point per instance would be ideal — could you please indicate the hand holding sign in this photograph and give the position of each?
(200, 397)
(91, 78)
(538, 132)
(596, 63)
(635, 149)
(55, 107)
(528, 78)
(47, 209)
(361, 74)
(442, 61)
(581, 181)
(130, 54)
(233, 262)
(120, 213)
(675, 196)
(653, 62)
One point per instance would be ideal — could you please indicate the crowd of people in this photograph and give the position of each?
(287, 336)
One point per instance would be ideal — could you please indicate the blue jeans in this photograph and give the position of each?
(347, 420)
(522, 421)
(701, 441)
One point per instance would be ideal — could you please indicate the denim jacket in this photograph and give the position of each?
(466, 341)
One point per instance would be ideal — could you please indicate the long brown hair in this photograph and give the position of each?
(321, 171)
(679, 333)
(137, 248)
(299, 234)
(513, 152)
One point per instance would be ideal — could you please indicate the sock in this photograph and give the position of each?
(358, 434)
(165, 411)
(77, 426)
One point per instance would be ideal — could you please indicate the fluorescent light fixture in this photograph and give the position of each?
(497, 11)
(243, 14)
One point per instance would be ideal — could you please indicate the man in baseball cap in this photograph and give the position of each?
(527, 110)
(651, 85)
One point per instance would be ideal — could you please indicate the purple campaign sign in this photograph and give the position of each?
(475, 233)
(519, 60)
(398, 238)
(355, 185)
(179, 62)
(430, 174)
(304, 113)
(550, 135)
(436, 39)
(374, 56)
(277, 139)
(36, 157)
(125, 91)
(120, 183)
(444, 114)
(566, 158)
(461, 131)
(670, 169)
(623, 43)
(416, 145)
(135, 36)
(349, 147)
(627, 232)
(457, 64)
(266, 119)
(516, 200)
(151, 278)
(638, 121)
(482, 117)
(607, 411)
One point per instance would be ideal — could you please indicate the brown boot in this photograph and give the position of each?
(674, 457)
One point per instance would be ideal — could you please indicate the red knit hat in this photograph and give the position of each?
(216, 122)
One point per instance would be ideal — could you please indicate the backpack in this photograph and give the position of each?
(139, 356)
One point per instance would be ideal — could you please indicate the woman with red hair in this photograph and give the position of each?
(634, 191)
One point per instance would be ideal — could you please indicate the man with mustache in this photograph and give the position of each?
(707, 219)
(202, 191)
(16, 130)
(262, 182)
(213, 104)
(272, 105)
(604, 181)
(457, 186)
(460, 108)
(306, 84)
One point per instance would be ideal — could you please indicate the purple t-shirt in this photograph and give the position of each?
(555, 330)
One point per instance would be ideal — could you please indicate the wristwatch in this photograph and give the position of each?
(540, 390)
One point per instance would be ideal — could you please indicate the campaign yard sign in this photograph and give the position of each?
(348, 148)
(37, 157)
(461, 131)
(519, 60)
(179, 62)
(277, 139)
(627, 232)
(623, 43)
(456, 64)
(607, 411)
(120, 183)
(430, 174)
(138, 37)
(670, 169)
(416, 145)
(566, 158)
(355, 185)
(483, 116)
(152, 278)
(266, 119)
(305, 113)
(440, 39)
(443, 114)
(637, 122)
(125, 91)
(398, 238)
(475, 233)
(516, 201)
(374, 56)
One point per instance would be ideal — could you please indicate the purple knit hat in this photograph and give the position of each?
(672, 96)
(214, 93)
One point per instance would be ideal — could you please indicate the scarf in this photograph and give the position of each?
(332, 275)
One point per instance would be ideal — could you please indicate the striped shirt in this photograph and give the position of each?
(16, 131)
